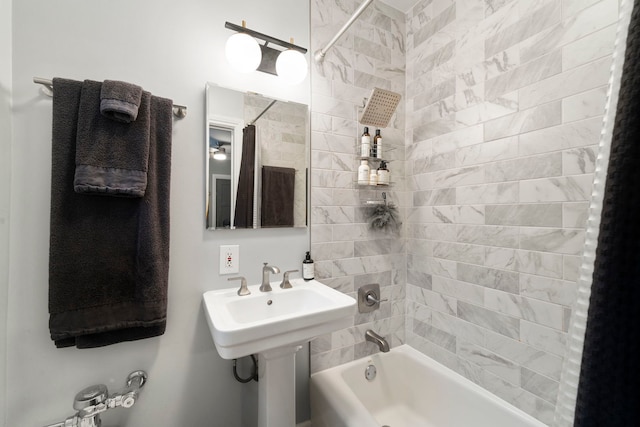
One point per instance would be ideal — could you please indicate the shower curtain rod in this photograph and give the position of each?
(180, 111)
(319, 55)
(263, 111)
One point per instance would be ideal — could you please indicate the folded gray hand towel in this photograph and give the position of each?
(120, 100)
(111, 157)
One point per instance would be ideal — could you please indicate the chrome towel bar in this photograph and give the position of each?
(180, 111)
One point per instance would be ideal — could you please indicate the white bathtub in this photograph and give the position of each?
(409, 390)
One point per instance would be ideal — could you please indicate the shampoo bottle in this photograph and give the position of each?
(363, 173)
(376, 149)
(365, 143)
(308, 270)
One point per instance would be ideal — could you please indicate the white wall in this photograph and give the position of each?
(171, 49)
(5, 194)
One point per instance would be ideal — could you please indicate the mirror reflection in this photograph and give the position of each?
(257, 161)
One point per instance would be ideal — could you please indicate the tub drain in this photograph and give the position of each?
(370, 374)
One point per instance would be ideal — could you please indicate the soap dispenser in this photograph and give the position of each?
(383, 174)
(308, 268)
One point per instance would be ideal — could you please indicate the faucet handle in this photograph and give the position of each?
(244, 290)
(372, 298)
(286, 284)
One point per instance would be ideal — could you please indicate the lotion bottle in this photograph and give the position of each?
(363, 172)
(308, 269)
(373, 177)
(365, 143)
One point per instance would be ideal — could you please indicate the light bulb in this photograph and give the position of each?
(291, 66)
(243, 52)
(221, 154)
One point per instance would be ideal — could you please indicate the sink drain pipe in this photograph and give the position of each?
(254, 374)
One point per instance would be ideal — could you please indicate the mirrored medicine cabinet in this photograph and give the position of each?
(257, 161)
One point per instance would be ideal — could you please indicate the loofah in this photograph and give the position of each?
(385, 218)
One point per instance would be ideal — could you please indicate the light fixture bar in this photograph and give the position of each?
(266, 38)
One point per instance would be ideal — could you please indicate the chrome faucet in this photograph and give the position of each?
(377, 340)
(266, 269)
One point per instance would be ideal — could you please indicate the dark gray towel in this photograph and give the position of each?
(120, 100)
(108, 256)
(277, 196)
(111, 157)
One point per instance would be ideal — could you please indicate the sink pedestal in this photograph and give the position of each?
(273, 325)
(277, 387)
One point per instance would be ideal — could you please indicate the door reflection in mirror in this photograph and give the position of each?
(220, 153)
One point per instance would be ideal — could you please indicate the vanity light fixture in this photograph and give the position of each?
(243, 51)
(289, 64)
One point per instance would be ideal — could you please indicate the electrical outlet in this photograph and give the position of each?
(229, 259)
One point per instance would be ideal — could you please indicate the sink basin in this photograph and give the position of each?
(244, 325)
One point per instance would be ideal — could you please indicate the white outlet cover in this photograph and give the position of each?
(229, 259)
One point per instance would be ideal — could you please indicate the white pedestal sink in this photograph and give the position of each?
(274, 325)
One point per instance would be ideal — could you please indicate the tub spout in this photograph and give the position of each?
(377, 340)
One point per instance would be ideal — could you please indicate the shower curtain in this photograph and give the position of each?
(244, 197)
(609, 385)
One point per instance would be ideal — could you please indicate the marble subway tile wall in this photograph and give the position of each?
(503, 114)
(346, 252)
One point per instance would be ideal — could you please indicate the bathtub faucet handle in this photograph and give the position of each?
(372, 298)
(369, 298)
